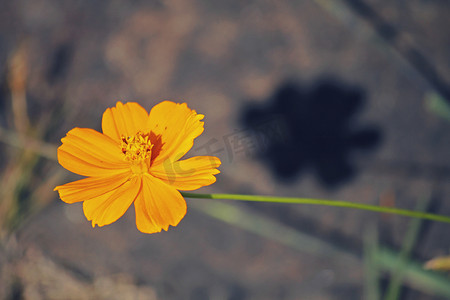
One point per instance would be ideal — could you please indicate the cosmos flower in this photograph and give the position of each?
(136, 160)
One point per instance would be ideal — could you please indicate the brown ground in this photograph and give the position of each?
(83, 56)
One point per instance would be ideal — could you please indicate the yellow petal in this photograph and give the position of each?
(124, 120)
(189, 174)
(177, 126)
(160, 206)
(89, 153)
(144, 220)
(88, 188)
(109, 207)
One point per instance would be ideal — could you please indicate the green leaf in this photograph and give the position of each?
(438, 105)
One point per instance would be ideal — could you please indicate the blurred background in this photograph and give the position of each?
(345, 100)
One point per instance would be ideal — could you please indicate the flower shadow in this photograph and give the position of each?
(318, 131)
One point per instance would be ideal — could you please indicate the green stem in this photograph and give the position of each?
(382, 209)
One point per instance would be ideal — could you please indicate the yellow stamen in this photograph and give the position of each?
(137, 147)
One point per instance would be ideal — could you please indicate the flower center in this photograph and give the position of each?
(137, 148)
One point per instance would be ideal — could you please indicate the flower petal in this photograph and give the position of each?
(160, 206)
(189, 174)
(177, 126)
(124, 120)
(89, 153)
(88, 188)
(144, 220)
(109, 207)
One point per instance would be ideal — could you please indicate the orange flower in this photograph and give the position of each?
(136, 160)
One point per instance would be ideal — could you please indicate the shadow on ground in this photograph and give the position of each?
(311, 129)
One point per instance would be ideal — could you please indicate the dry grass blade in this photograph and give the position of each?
(17, 174)
(438, 264)
(17, 80)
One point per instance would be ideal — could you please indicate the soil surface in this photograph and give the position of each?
(319, 99)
